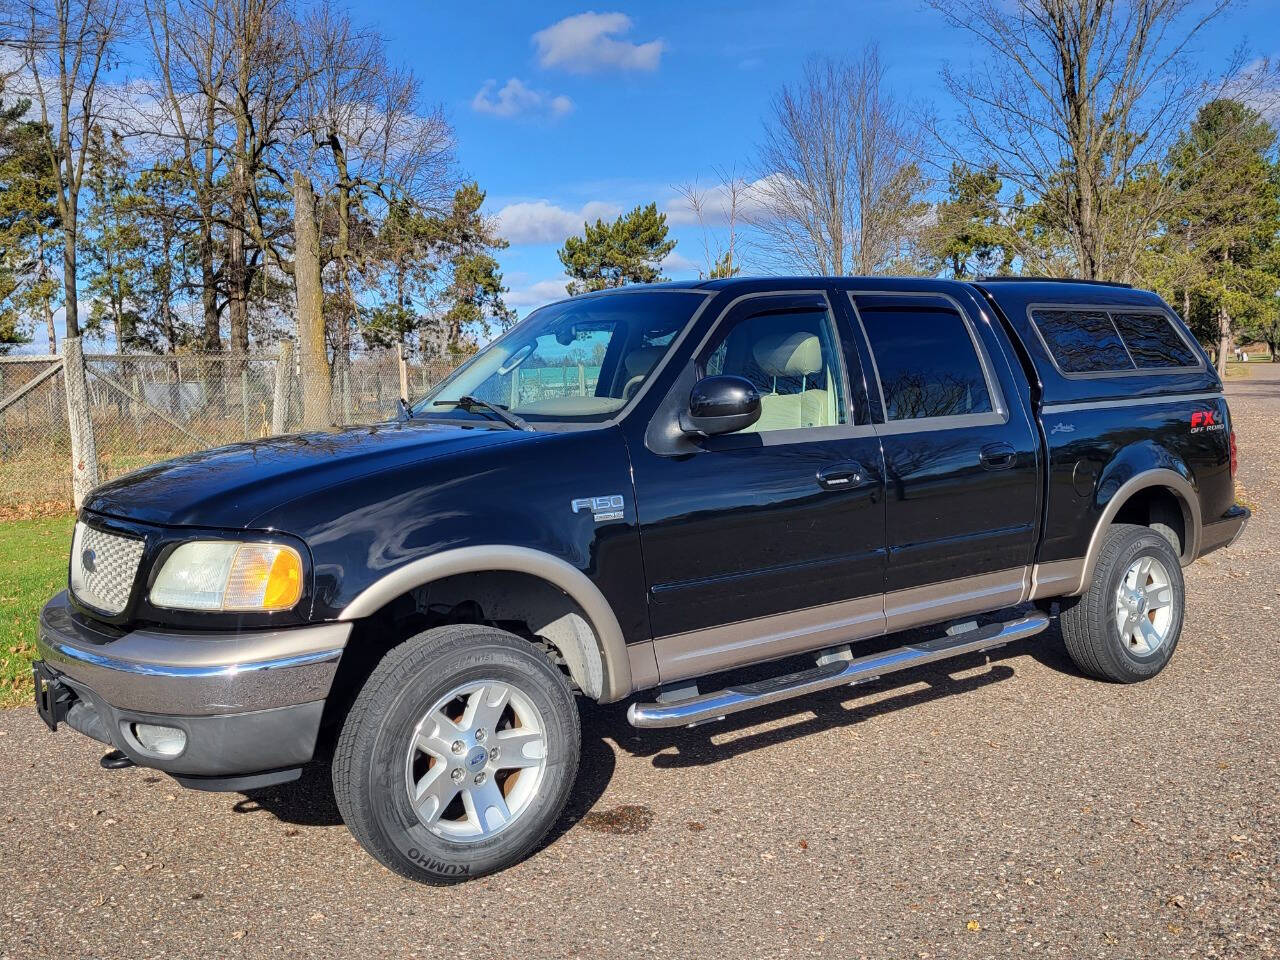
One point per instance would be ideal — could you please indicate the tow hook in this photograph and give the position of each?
(115, 760)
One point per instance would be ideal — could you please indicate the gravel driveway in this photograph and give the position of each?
(1001, 807)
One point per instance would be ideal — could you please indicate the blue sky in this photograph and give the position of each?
(560, 117)
(568, 111)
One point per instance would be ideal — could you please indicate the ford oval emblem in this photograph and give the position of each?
(87, 560)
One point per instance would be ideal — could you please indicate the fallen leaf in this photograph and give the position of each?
(974, 925)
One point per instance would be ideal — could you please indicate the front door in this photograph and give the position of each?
(768, 541)
(961, 459)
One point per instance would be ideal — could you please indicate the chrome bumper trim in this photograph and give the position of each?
(172, 670)
(192, 674)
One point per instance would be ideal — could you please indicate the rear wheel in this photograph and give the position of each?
(458, 754)
(1126, 626)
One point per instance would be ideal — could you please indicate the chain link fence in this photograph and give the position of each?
(145, 408)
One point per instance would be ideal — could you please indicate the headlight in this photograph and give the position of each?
(225, 575)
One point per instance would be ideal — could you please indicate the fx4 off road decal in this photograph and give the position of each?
(1205, 420)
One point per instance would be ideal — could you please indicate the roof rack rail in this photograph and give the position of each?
(1092, 283)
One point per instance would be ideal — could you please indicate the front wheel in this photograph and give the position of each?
(1125, 627)
(458, 755)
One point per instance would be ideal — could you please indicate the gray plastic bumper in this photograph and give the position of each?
(1224, 532)
(250, 703)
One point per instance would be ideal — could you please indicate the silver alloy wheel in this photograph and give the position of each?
(1144, 606)
(476, 760)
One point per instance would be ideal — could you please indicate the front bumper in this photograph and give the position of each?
(250, 703)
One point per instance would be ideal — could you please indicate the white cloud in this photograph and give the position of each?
(676, 262)
(1257, 85)
(542, 222)
(514, 99)
(587, 42)
(536, 294)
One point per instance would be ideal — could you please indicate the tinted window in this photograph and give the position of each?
(792, 359)
(1082, 341)
(1152, 340)
(927, 361)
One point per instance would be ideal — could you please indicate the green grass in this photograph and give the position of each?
(33, 567)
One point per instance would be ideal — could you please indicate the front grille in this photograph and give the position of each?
(103, 568)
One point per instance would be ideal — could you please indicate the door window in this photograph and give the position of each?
(791, 358)
(927, 361)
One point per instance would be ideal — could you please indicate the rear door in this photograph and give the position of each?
(767, 541)
(961, 457)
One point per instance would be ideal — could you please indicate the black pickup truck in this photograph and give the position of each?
(639, 492)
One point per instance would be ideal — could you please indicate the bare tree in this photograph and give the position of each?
(839, 190)
(268, 70)
(65, 47)
(719, 211)
(1076, 103)
(313, 362)
(191, 59)
(374, 144)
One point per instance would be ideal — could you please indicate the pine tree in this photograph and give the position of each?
(472, 291)
(29, 228)
(1228, 218)
(112, 242)
(162, 203)
(969, 237)
(629, 250)
(444, 283)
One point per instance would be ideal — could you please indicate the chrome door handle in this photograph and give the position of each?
(998, 456)
(842, 476)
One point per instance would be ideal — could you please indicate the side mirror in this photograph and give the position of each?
(721, 405)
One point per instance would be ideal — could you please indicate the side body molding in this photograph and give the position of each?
(612, 648)
(1187, 497)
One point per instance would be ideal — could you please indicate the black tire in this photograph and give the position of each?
(1088, 622)
(369, 766)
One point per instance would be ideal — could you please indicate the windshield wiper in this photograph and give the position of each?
(469, 403)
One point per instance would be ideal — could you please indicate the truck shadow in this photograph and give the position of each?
(839, 707)
(310, 802)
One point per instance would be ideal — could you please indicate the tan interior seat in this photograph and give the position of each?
(793, 355)
(636, 365)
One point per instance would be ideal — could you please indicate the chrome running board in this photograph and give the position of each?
(715, 706)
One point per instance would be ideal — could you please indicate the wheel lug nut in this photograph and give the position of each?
(493, 753)
(480, 736)
(456, 774)
(458, 746)
(479, 779)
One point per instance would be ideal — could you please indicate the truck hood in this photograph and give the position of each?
(228, 487)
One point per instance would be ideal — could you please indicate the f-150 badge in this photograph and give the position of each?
(602, 508)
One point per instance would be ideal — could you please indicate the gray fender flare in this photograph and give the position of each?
(610, 644)
(1159, 477)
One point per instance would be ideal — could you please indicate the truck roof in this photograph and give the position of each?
(1011, 302)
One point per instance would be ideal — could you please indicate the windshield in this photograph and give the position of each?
(581, 359)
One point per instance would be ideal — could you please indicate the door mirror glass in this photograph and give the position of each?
(721, 405)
